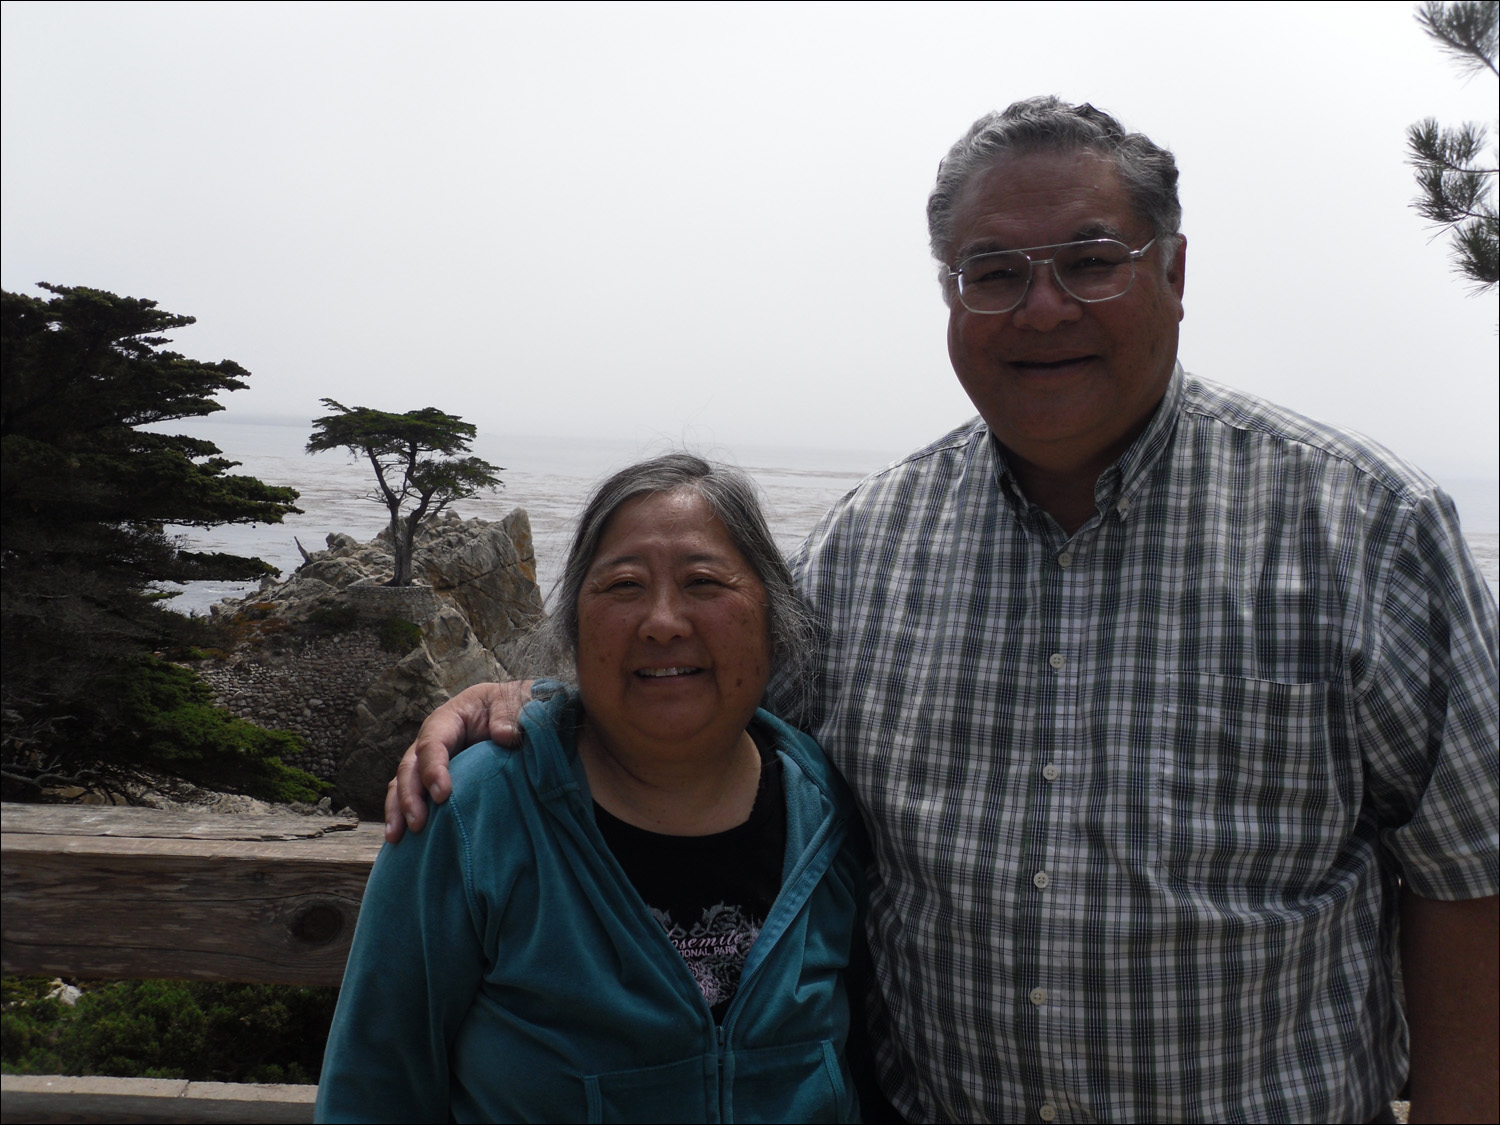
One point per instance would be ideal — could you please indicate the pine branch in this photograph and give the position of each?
(1456, 192)
(1465, 30)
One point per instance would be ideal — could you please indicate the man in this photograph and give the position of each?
(1157, 700)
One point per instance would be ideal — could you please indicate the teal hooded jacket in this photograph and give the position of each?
(505, 969)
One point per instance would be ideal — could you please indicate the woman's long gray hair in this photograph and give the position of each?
(731, 496)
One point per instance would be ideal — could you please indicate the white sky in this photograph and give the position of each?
(705, 222)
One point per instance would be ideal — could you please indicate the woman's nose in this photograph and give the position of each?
(665, 619)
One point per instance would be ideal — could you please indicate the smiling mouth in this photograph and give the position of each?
(1051, 364)
(663, 673)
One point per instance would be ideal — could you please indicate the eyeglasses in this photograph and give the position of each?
(1099, 269)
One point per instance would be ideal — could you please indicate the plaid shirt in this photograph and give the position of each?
(1134, 794)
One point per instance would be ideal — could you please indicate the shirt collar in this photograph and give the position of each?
(1120, 478)
(1125, 474)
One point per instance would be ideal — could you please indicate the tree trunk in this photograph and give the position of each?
(402, 542)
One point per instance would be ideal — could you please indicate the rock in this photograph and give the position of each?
(488, 572)
(64, 993)
(355, 705)
(449, 659)
(335, 572)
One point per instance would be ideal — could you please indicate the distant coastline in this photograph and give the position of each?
(550, 477)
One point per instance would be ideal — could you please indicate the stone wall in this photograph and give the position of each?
(310, 688)
(410, 603)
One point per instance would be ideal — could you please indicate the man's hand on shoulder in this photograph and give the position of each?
(484, 711)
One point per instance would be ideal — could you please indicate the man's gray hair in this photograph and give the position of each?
(732, 497)
(1048, 124)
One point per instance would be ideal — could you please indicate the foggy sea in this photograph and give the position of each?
(551, 477)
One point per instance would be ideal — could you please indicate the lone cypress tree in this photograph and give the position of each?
(1455, 173)
(413, 485)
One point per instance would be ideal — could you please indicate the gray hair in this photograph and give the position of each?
(731, 496)
(1048, 124)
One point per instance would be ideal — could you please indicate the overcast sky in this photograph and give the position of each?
(705, 222)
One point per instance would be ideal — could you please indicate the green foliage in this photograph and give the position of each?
(86, 502)
(150, 1027)
(28, 1026)
(334, 618)
(399, 635)
(1455, 174)
(399, 448)
(168, 1029)
(169, 721)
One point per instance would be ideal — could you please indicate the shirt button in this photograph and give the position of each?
(1041, 880)
(1065, 559)
(1038, 996)
(1123, 506)
(1057, 660)
(1048, 1112)
(1051, 772)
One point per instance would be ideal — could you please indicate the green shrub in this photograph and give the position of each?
(334, 618)
(28, 1027)
(170, 721)
(399, 635)
(169, 1029)
(150, 1028)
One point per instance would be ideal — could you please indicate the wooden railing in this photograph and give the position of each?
(105, 893)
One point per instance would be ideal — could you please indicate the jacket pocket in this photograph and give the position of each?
(679, 1091)
(794, 1082)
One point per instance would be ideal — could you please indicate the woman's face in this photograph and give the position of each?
(673, 645)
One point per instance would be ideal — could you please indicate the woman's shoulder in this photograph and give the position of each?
(479, 765)
(487, 773)
(484, 794)
(489, 818)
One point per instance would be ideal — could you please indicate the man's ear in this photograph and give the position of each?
(1177, 272)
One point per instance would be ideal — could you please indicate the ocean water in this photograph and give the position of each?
(551, 477)
(548, 476)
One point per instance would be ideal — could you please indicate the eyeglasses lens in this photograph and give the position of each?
(1090, 271)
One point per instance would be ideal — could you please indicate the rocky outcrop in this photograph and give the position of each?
(484, 569)
(449, 659)
(317, 653)
(488, 573)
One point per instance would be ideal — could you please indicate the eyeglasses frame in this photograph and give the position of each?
(1032, 263)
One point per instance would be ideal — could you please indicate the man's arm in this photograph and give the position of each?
(1449, 963)
(483, 711)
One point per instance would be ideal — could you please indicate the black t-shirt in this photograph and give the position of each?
(710, 893)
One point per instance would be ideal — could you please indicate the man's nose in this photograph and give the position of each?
(1046, 303)
(665, 619)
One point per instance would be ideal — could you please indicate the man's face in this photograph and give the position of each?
(1065, 386)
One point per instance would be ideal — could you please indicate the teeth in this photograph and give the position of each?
(665, 671)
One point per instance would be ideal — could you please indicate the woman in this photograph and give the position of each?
(647, 913)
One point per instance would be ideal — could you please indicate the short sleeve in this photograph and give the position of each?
(1429, 732)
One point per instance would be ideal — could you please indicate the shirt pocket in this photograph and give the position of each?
(1255, 800)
